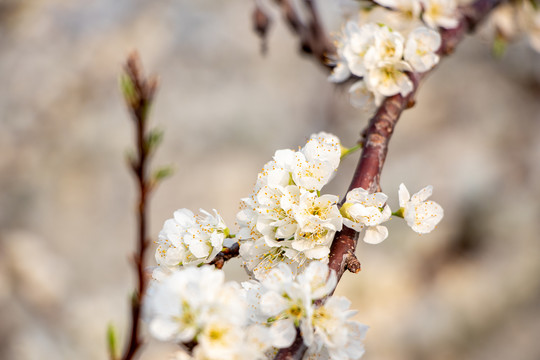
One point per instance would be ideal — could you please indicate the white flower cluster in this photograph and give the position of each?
(286, 228)
(516, 18)
(225, 321)
(190, 239)
(194, 305)
(285, 303)
(286, 218)
(381, 57)
(434, 13)
(421, 215)
(367, 211)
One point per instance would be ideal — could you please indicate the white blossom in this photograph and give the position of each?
(340, 72)
(389, 78)
(421, 215)
(190, 239)
(358, 41)
(195, 305)
(285, 219)
(422, 43)
(275, 203)
(409, 8)
(219, 339)
(335, 335)
(285, 303)
(529, 20)
(440, 13)
(178, 306)
(323, 147)
(318, 279)
(364, 210)
(519, 18)
(318, 220)
(387, 47)
(364, 97)
(288, 302)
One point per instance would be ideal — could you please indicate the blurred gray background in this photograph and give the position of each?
(469, 290)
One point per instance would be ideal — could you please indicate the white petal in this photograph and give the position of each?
(375, 234)
(282, 333)
(422, 195)
(340, 73)
(404, 195)
(272, 303)
(163, 329)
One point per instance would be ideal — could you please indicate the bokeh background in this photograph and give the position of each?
(469, 290)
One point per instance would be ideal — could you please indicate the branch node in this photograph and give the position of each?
(352, 263)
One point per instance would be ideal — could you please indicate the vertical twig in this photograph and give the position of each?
(139, 93)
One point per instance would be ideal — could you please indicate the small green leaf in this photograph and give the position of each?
(112, 341)
(153, 139)
(128, 88)
(499, 46)
(163, 173)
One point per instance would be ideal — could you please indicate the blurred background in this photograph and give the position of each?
(469, 290)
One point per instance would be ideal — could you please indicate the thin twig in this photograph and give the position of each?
(225, 255)
(311, 33)
(139, 93)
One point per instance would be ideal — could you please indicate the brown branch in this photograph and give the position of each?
(294, 352)
(261, 25)
(382, 124)
(312, 35)
(376, 139)
(225, 255)
(139, 93)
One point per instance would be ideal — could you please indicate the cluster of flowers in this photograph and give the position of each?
(286, 219)
(286, 228)
(381, 58)
(398, 37)
(518, 17)
(194, 306)
(433, 13)
(190, 239)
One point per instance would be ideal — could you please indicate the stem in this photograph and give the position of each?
(351, 150)
(311, 33)
(139, 101)
(225, 255)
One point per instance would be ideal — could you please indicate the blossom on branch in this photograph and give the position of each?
(364, 210)
(286, 219)
(190, 239)
(335, 336)
(196, 306)
(421, 215)
(421, 47)
(440, 13)
(288, 303)
(518, 18)
(382, 59)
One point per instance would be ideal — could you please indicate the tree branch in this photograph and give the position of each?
(139, 93)
(225, 255)
(312, 35)
(377, 136)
